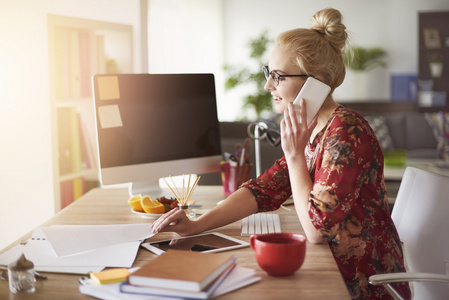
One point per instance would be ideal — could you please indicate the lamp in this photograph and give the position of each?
(259, 131)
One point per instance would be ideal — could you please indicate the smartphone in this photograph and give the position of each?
(314, 93)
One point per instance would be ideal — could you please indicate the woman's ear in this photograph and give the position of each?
(319, 78)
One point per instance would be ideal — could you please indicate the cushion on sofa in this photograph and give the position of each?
(411, 131)
(380, 128)
(419, 133)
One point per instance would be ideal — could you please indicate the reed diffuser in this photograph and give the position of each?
(185, 194)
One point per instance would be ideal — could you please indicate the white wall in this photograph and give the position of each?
(26, 179)
(187, 37)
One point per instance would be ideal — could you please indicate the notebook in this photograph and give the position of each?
(181, 269)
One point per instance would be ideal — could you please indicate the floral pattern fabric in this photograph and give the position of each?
(348, 203)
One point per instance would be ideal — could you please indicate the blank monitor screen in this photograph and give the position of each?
(159, 123)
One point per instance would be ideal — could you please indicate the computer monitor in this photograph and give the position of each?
(151, 126)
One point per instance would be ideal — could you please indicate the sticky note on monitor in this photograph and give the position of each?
(108, 88)
(109, 116)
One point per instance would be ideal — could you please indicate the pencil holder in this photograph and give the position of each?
(233, 176)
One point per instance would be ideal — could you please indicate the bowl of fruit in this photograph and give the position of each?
(149, 208)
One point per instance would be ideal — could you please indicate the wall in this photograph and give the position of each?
(26, 187)
(187, 37)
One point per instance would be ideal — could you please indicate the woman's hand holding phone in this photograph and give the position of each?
(295, 132)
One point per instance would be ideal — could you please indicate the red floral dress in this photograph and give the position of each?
(348, 204)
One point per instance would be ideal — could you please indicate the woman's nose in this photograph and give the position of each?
(269, 86)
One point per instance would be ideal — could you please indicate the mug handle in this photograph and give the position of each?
(252, 240)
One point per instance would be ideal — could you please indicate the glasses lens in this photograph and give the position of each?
(266, 72)
(275, 77)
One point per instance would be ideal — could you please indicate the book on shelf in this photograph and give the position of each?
(74, 63)
(71, 190)
(89, 160)
(74, 60)
(75, 141)
(76, 151)
(66, 192)
(64, 148)
(62, 89)
(182, 270)
(79, 187)
(85, 55)
(101, 55)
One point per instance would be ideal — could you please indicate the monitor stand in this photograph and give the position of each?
(150, 188)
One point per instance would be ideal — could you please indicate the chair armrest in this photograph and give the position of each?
(407, 276)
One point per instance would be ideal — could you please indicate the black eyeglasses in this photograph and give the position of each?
(275, 76)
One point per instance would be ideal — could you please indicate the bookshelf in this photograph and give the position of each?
(78, 49)
(434, 40)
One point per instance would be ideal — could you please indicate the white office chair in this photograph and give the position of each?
(421, 216)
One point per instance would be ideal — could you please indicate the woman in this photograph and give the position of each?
(333, 166)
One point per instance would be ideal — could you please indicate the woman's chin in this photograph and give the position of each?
(279, 107)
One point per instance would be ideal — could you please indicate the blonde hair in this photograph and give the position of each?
(317, 50)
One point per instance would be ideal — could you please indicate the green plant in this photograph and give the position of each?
(260, 100)
(364, 59)
(112, 66)
(435, 58)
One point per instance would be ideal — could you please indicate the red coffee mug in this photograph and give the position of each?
(279, 254)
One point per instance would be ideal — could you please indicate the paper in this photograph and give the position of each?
(109, 116)
(112, 292)
(68, 239)
(108, 88)
(42, 255)
(238, 278)
(70, 270)
(39, 250)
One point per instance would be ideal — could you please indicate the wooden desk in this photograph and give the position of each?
(318, 278)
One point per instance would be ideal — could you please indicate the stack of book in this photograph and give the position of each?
(187, 274)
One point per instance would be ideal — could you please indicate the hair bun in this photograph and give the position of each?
(328, 22)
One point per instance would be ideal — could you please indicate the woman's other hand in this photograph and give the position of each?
(175, 220)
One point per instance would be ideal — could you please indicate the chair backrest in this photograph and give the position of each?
(421, 216)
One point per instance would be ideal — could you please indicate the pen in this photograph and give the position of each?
(233, 174)
(242, 157)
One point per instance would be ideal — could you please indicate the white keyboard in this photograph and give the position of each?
(260, 223)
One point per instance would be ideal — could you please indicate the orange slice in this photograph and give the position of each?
(151, 206)
(134, 202)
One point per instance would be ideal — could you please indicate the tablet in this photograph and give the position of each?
(205, 242)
